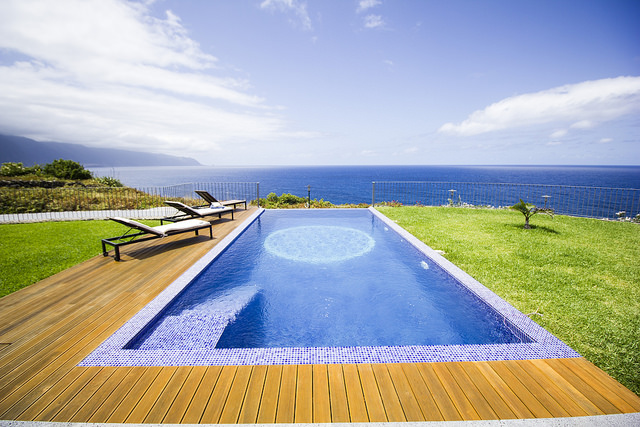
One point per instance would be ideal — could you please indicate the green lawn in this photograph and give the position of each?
(582, 275)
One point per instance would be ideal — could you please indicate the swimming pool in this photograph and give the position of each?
(324, 286)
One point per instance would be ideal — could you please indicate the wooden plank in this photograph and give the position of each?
(407, 398)
(269, 405)
(40, 352)
(507, 394)
(168, 394)
(562, 398)
(287, 396)
(200, 400)
(77, 396)
(183, 399)
(591, 393)
(115, 399)
(623, 398)
(134, 395)
(499, 407)
(523, 393)
(372, 398)
(231, 410)
(457, 395)
(249, 412)
(390, 399)
(337, 395)
(214, 408)
(60, 363)
(304, 395)
(440, 396)
(321, 405)
(151, 395)
(355, 397)
(25, 315)
(47, 396)
(480, 404)
(423, 396)
(548, 402)
(576, 396)
(96, 399)
(61, 395)
(25, 383)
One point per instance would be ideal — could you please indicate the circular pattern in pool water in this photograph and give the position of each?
(319, 243)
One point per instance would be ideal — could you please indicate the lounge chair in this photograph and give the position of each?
(213, 202)
(188, 212)
(146, 232)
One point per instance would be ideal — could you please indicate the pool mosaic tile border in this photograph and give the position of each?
(543, 345)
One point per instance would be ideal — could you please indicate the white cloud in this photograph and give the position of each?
(605, 140)
(583, 124)
(581, 104)
(106, 72)
(373, 21)
(296, 7)
(559, 133)
(367, 4)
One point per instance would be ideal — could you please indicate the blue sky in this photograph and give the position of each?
(348, 82)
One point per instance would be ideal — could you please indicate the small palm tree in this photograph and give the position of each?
(529, 210)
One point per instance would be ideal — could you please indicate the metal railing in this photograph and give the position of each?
(64, 203)
(40, 204)
(248, 191)
(592, 202)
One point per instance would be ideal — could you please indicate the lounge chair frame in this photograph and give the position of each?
(191, 212)
(210, 199)
(130, 236)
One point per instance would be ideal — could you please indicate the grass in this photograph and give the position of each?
(581, 275)
(32, 252)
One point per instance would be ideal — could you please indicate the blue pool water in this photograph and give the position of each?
(324, 286)
(323, 278)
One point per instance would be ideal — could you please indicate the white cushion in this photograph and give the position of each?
(212, 211)
(190, 224)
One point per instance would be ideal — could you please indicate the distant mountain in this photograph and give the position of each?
(28, 152)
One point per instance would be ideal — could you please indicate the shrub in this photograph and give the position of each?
(290, 201)
(66, 169)
(18, 169)
(272, 198)
(529, 210)
(108, 181)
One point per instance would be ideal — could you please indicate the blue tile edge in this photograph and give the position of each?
(543, 346)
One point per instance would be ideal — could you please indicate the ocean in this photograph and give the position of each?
(353, 184)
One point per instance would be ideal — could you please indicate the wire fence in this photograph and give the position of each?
(79, 203)
(592, 202)
(46, 204)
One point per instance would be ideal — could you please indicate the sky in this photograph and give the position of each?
(328, 82)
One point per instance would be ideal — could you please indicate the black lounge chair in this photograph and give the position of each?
(213, 202)
(188, 212)
(145, 232)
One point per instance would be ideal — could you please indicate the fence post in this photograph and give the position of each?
(373, 194)
(258, 193)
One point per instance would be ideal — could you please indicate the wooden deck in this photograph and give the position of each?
(49, 327)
